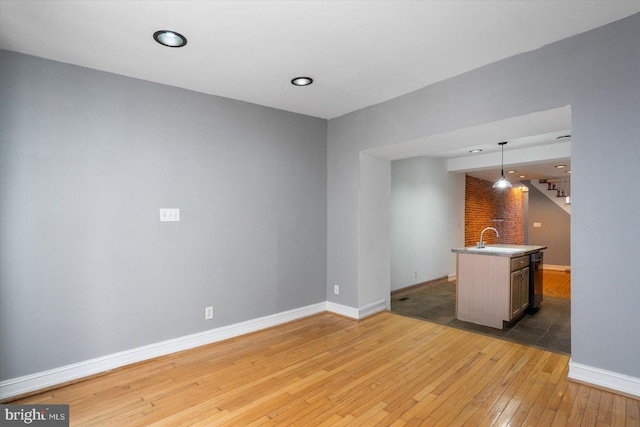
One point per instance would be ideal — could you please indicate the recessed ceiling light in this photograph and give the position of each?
(169, 38)
(301, 81)
(512, 171)
(561, 166)
(475, 150)
(522, 176)
(569, 171)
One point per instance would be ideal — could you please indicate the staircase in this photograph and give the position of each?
(557, 190)
(562, 186)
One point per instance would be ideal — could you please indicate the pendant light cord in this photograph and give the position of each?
(502, 159)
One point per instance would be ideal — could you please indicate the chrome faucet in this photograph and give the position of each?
(480, 244)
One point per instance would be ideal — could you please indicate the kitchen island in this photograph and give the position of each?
(492, 286)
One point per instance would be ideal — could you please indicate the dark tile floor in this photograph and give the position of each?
(549, 328)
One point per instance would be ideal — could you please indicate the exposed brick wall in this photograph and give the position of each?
(478, 211)
(488, 207)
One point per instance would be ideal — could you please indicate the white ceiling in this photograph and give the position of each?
(359, 52)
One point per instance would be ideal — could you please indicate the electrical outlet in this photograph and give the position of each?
(336, 289)
(208, 313)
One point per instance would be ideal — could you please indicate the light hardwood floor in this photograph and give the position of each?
(557, 284)
(329, 370)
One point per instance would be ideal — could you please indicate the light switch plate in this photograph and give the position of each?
(169, 214)
(537, 224)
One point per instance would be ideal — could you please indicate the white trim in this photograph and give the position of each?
(605, 379)
(343, 310)
(452, 277)
(373, 308)
(63, 374)
(355, 313)
(556, 267)
(40, 380)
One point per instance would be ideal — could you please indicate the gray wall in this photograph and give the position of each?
(87, 159)
(421, 219)
(555, 232)
(598, 74)
(375, 228)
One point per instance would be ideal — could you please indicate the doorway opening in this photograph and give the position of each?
(423, 270)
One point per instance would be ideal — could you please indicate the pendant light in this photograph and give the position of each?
(502, 182)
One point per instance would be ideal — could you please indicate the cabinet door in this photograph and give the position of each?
(516, 286)
(524, 289)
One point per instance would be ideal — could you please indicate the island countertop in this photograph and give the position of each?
(501, 250)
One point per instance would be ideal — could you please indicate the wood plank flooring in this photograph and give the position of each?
(557, 284)
(326, 370)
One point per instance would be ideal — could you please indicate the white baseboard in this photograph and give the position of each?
(556, 267)
(342, 310)
(28, 383)
(372, 308)
(604, 379)
(355, 313)
(61, 375)
(52, 377)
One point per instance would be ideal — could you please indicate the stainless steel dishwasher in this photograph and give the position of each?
(536, 281)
